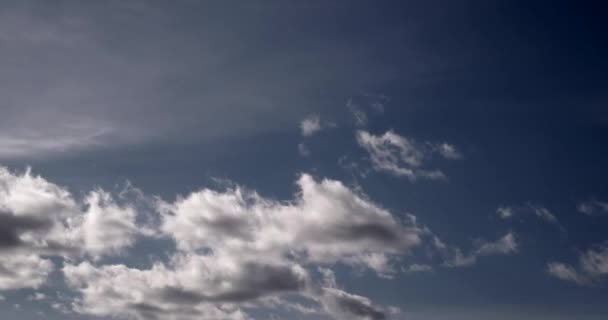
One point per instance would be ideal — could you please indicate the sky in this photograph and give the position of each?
(313, 160)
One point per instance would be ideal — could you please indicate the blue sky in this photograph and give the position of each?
(303, 160)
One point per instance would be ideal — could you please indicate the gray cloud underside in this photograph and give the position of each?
(235, 249)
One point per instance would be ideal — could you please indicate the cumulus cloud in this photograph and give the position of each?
(190, 286)
(593, 267)
(236, 250)
(593, 207)
(19, 271)
(40, 218)
(401, 156)
(414, 268)
(326, 223)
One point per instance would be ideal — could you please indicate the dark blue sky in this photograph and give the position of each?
(173, 96)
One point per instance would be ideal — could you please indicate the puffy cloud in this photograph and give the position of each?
(401, 156)
(107, 228)
(23, 271)
(593, 207)
(39, 218)
(190, 286)
(236, 250)
(326, 223)
(593, 267)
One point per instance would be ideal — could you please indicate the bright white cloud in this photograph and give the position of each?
(326, 223)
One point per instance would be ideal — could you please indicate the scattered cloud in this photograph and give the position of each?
(236, 250)
(310, 125)
(592, 270)
(593, 207)
(505, 245)
(454, 256)
(313, 124)
(566, 273)
(400, 156)
(326, 223)
(508, 212)
(447, 151)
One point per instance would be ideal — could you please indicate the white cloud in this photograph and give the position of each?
(448, 151)
(39, 218)
(454, 256)
(593, 267)
(505, 245)
(310, 125)
(567, 273)
(399, 156)
(342, 305)
(19, 271)
(236, 250)
(595, 261)
(190, 286)
(326, 223)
